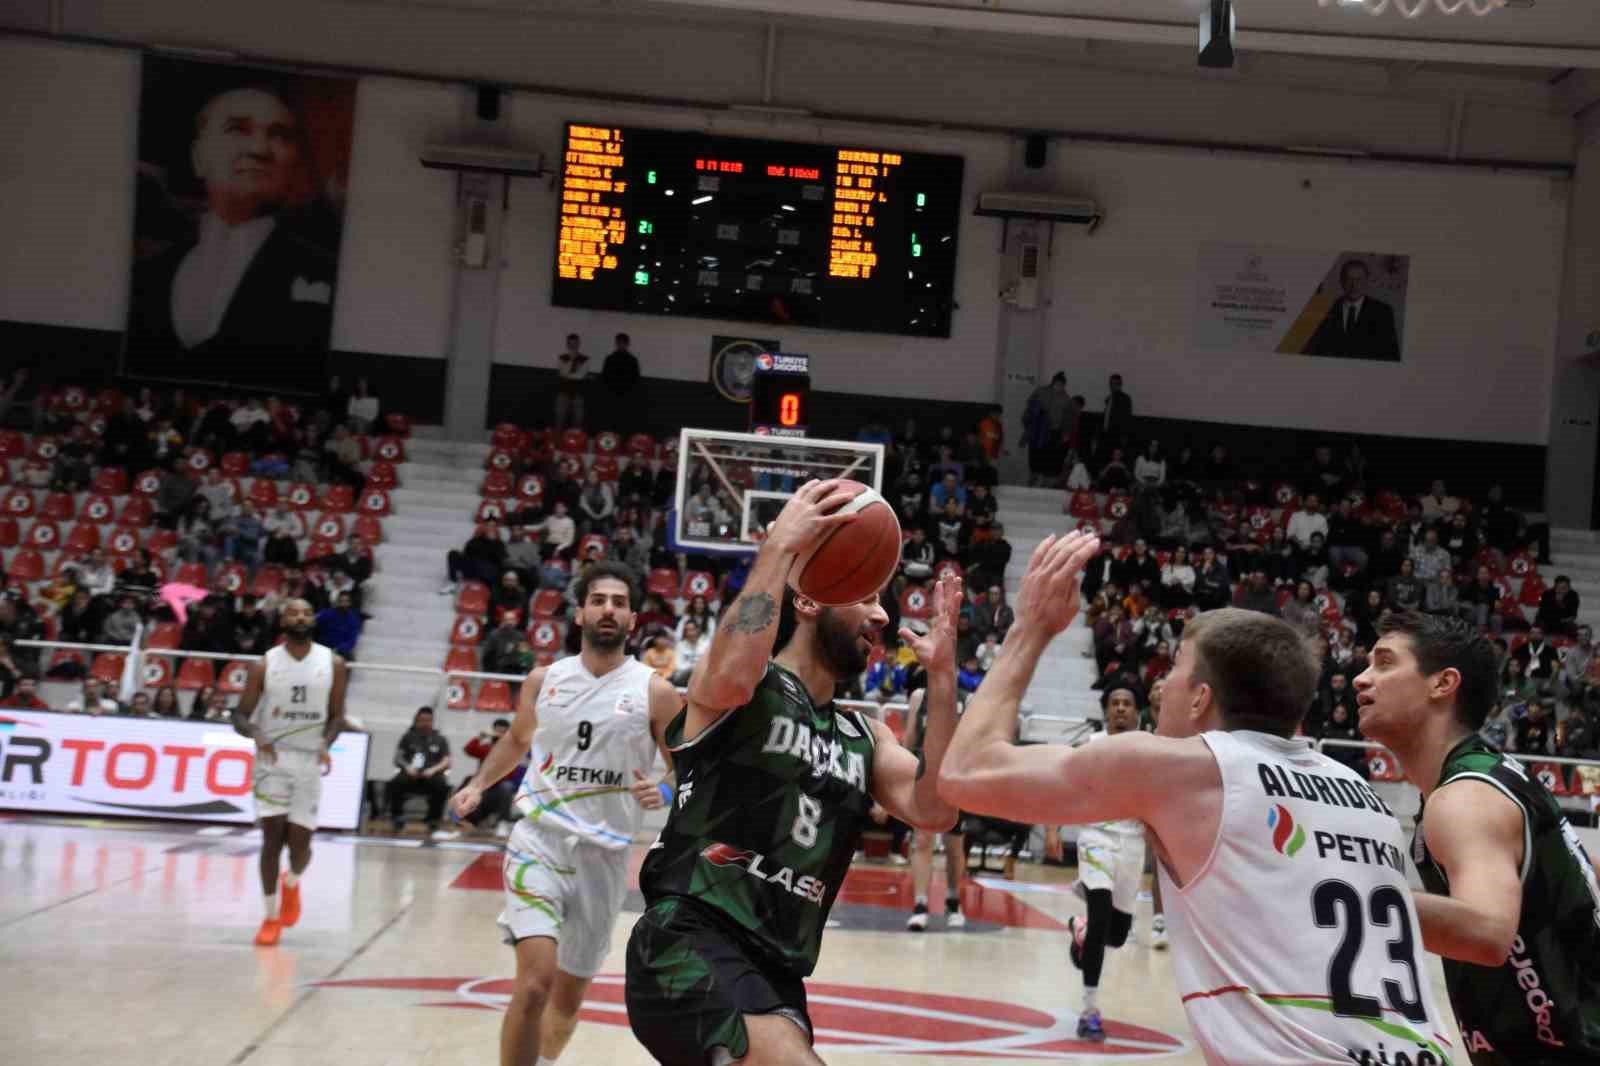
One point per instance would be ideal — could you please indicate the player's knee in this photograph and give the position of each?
(530, 993)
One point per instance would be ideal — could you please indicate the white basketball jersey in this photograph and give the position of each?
(293, 709)
(593, 733)
(1298, 942)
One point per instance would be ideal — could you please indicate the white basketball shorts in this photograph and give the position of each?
(290, 785)
(1113, 861)
(564, 888)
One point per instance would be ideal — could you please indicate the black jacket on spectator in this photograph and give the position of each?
(1557, 615)
(429, 747)
(1540, 662)
(1133, 569)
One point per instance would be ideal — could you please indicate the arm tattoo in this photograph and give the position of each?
(754, 614)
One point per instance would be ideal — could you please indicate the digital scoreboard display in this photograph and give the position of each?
(681, 223)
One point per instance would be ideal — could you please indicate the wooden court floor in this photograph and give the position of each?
(131, 942)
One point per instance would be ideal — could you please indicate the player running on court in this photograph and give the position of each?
(1293, 933)
(594, 721)
(1512, 901)
(293, 708)
(774, 789)
(1110, 871)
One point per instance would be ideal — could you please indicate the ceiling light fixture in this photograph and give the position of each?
(1416, 8)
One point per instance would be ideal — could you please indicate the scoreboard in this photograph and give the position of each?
(856, 237)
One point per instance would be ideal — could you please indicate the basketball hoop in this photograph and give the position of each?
(1415, 8)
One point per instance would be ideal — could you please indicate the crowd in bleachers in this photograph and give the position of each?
(185, 521)
(1187, 534)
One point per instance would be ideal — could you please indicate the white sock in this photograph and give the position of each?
(1091, 999)
(272, 905)
(546, 1062)
(291, 879)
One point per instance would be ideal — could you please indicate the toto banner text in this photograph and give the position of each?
(198, 771)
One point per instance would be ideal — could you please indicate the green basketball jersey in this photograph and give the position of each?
(772, 800)
(1542, 1005)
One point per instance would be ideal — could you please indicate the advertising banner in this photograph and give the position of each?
(153, 768)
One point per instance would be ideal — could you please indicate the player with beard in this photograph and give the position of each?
(774, 788)
(293, 708)
(594, 722)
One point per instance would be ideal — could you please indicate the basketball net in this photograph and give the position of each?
(1415, 8)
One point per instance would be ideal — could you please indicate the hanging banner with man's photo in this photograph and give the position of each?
(1347, 305)
(240, 196)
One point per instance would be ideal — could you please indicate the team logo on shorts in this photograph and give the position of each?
(1287, 837)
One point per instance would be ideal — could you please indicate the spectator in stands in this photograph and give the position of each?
(660, 655)
(656, 615)
(281, 547)
(560, 531)
(1347, 538)
(570, 374)
(121, 624)
(138, 706)
(92, 699)
(173, 497)
(1323, 477)
(1578, 735)
(1258, 595)
(1437, 505)
(1116, 416)
(81, 620)
(201, 700)
(1280, 558)
(631, 548)
(204, 631)
(1307, 520)
(217, 493)
(1460, 539)
(510, 596)
(1140, 568)
(1177, 580)
(1412, 532)
(339, 626)
(197, 535)
(699, 612)
(1213, 587)
(951, 529)
(216, 706)
(252, 425)
(500, 647)
(522, 558)
(1507, 531)
(253, 629)
(1430, 557)
(1175, 530)
(693, 643)
(1558, 608)
(1535, 731)
(947, 489)
(993, 614)
(598, 504)
(1405, 590)
(918, 555)
(341, 453)
(619, 375)
(1387, 557)
(1575, 661)
(1539, 658)
(480, 559)
(1114, 638)
(1301, 611)
(94, 574)
(362, 410)
(165, 704)
(24, 696)
(1151, 630)
(422, 758)
(10, 671)
(16, 396)
(1312, 562)
(1443, 596)
(1150, 469)
(1078, 479)
(986, 560)
(1045, 425)
(494, 810)
(243, 534)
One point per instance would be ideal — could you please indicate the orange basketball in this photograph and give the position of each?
(856, 559)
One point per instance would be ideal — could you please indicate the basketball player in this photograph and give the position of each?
(1512, 901)
(775, 788)
(955, 844)
(595, 721)
(293, 708)
(1110, 869)
(1277, 863)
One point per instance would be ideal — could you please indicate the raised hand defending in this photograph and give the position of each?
(937, 649)
(1048, 600)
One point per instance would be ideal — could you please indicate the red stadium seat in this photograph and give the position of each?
(641, 446)
(59, 507)
(508, 436)
(191, 574)
(606, 467)
(5, 472)
(491, 510)
(234, 577)
(84, 538)
(162, 540)
(264, 493)
(108, 667)
(110, 481)
(501, 460)
(592, 546)
(99, 510)
(494, 697)
(328, 527)
(571, 466)
(530, 487)
(1083, 505)
(382, 476)
(573, 442)
(45, 449)
(461, 660)
(1521, 565)
(545, 635)
(1285, 496)
(123, 542)
(155, 671)
(473, 598)
(233, 677)
(1117, 507)
(137, 512)
(26, 565)
(10, 536)
(547, 603)
(369, 528)
(73, 398)
(607, 443)
(44, 535)
(18, 503)
(467, 630)
(235, 464)
(390, 449)
(398, 424)
(13, 445)
(699, 583)
(374, 502)
(948, 566)
(199, 461)
(662, 582)
(457, 694)
(196, 674)
(915, 603)
(268, 580)
(1553, 777)
(63, 656)
(496, 484)
(148, 483)
(1532, 589)
(108, 401)
(65, 562)
(341, 498)
(319, 549)
(1382, 766)
(165, 635)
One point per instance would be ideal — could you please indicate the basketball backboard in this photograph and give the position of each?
(731, 485)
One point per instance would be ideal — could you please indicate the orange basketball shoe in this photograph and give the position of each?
(271, 930)
(289, 909)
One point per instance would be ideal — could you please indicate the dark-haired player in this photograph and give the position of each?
(775, 785)
(594, 721)
(1512, 901)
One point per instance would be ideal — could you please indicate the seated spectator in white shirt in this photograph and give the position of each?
(1151, 467)
(1308, 520)
(1436, 505)
(692, 644)
(95, 574)
(1077, 480)
(93, 699)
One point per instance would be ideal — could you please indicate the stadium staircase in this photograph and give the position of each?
(1577, 555)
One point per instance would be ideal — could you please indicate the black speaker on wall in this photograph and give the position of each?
(1034, 150)
(488, 102)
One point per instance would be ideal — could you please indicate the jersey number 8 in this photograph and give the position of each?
(804, 831)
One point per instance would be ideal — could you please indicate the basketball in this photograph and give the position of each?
(856, 559)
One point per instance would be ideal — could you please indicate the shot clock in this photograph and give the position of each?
(780, 394)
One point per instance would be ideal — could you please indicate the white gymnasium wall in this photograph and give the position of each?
(66, 183)
(530, 330)
(1480, 317)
